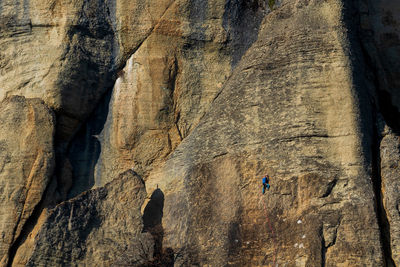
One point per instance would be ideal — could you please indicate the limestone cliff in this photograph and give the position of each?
(136, 133)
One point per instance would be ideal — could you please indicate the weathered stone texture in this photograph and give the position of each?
(390, 158)
(73, 48)
(101, 227)
(289, 109)
(201, 98)
(26, 164)
(164, 90)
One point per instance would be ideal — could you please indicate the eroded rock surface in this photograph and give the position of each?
(390, 157)
(73, 48)
(26, 164)
(164, 90)
(191, 102)
(281, 115)
(101, 227)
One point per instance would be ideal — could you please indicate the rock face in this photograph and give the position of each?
(280, 115)
(74, 49)
(191, 103)
(27, 162)
(164, 90)
(100, 227)
(389, 156)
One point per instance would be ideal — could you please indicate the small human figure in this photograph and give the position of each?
(265, 182)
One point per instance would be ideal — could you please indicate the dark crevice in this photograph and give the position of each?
(28, 227)
(390, 113)
(330, 187)
(324, 245)
(384, 100)
(220, 155)
(373, 98)
(86, 142)
(152, 223)
(381, 104)
(178, 116)
(323, 248)
(63, 143)
(173, 74)
(383, 222)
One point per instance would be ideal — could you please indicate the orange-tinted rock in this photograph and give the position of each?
(27, 163)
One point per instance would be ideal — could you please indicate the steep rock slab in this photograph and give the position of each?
(105, 34)
(164, 90)
(26, 164)
(289, 109)
(46, 44)
(67, 53)
(101, 227)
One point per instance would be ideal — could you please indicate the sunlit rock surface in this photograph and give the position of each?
(137, 133)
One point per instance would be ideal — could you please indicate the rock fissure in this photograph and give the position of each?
(312, 136)
(59, 145)
(115, 74)
(178, 116)
(329, 240)
(330, 187)
(323, 249)
(27, 228)
(381, 106)
(282, 92)
(384, 226)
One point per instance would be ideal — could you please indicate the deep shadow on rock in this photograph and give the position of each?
(152, 223)
(153, 212)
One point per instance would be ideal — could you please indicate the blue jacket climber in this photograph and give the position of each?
(265, 182)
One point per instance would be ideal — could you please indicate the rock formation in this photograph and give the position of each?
(136, 133)
(27, 164)
(100, 225)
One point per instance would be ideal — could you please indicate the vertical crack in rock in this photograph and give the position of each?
(330, 187)
(391, 115)
(60, 146)
(328, 235)
(178, 116)
(93, 125)
(323, 249)
(363, 63)
(381, 214)
(388, 111)
(173, 75)
(27, 228)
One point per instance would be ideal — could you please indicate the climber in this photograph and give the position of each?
(265, 182)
